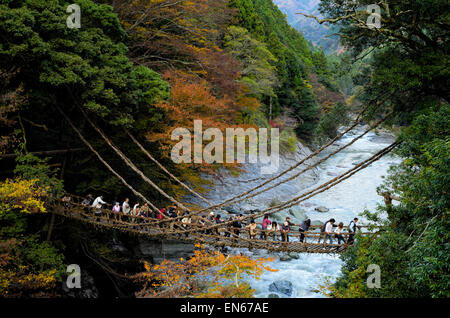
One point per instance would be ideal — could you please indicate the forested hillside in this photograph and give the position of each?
(320, 35)
(145, 67)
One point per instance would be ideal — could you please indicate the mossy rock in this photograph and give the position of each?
(293, 255)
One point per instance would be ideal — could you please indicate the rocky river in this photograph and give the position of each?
(300, 275)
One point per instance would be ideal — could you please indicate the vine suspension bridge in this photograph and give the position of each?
(208, 233)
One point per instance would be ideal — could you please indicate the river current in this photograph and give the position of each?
(344, 201)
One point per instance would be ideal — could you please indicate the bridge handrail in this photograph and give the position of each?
(136, 221)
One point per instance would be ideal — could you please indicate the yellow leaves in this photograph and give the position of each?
(23, 195)
(29, 281)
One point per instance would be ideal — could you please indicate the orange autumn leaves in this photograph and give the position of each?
(205, 274)
(192, 99)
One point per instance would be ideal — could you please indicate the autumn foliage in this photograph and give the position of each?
(28, 268)
(22, 195)
(18, 279)
(191, 99)
(208, 274)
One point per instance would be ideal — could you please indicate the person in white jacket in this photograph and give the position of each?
(329, 231)
(126, 206)
(98, 204)
(135, 212)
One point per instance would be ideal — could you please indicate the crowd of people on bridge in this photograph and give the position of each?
(235, 223)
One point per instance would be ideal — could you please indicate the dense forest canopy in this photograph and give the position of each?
(406, 74)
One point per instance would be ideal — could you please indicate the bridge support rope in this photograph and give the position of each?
(311, 166)
(137, 193)
(304, 170)
(129, 163)
(295, 201)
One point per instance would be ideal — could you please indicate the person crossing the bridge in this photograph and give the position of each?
(116, 211)
(161, 215)
(323, 233)
(252, 229)
(285, 229)
(88, 200)
(186, 221)
(229, 228)
(328, 231)
(210, 220)
(126, 207)
(98, 204)
(144, 211)
(218, 220)
(272, 229)
(172, 212)
(237, 225)
(116, 207)
(304, 227)
(352, 230)
(266, 222)
(339, 230)
(135, 212)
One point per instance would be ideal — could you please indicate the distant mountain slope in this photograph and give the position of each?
(319, 35)
(290, 7)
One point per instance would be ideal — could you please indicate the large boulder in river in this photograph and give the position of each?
(230, 209)
(299, 214)
(322, 209)
(158, 250)
(278, 218)
(282, 287)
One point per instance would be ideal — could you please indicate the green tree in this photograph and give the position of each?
(412, 248)
(407, 73)
(259, 72)
(53, 66)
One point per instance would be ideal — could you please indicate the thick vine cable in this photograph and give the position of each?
(356, 122)
(137, 193)
(303, 197)
(292, 202)
(146, 152)
(322, 188)
(130, 163)
(325, 186)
